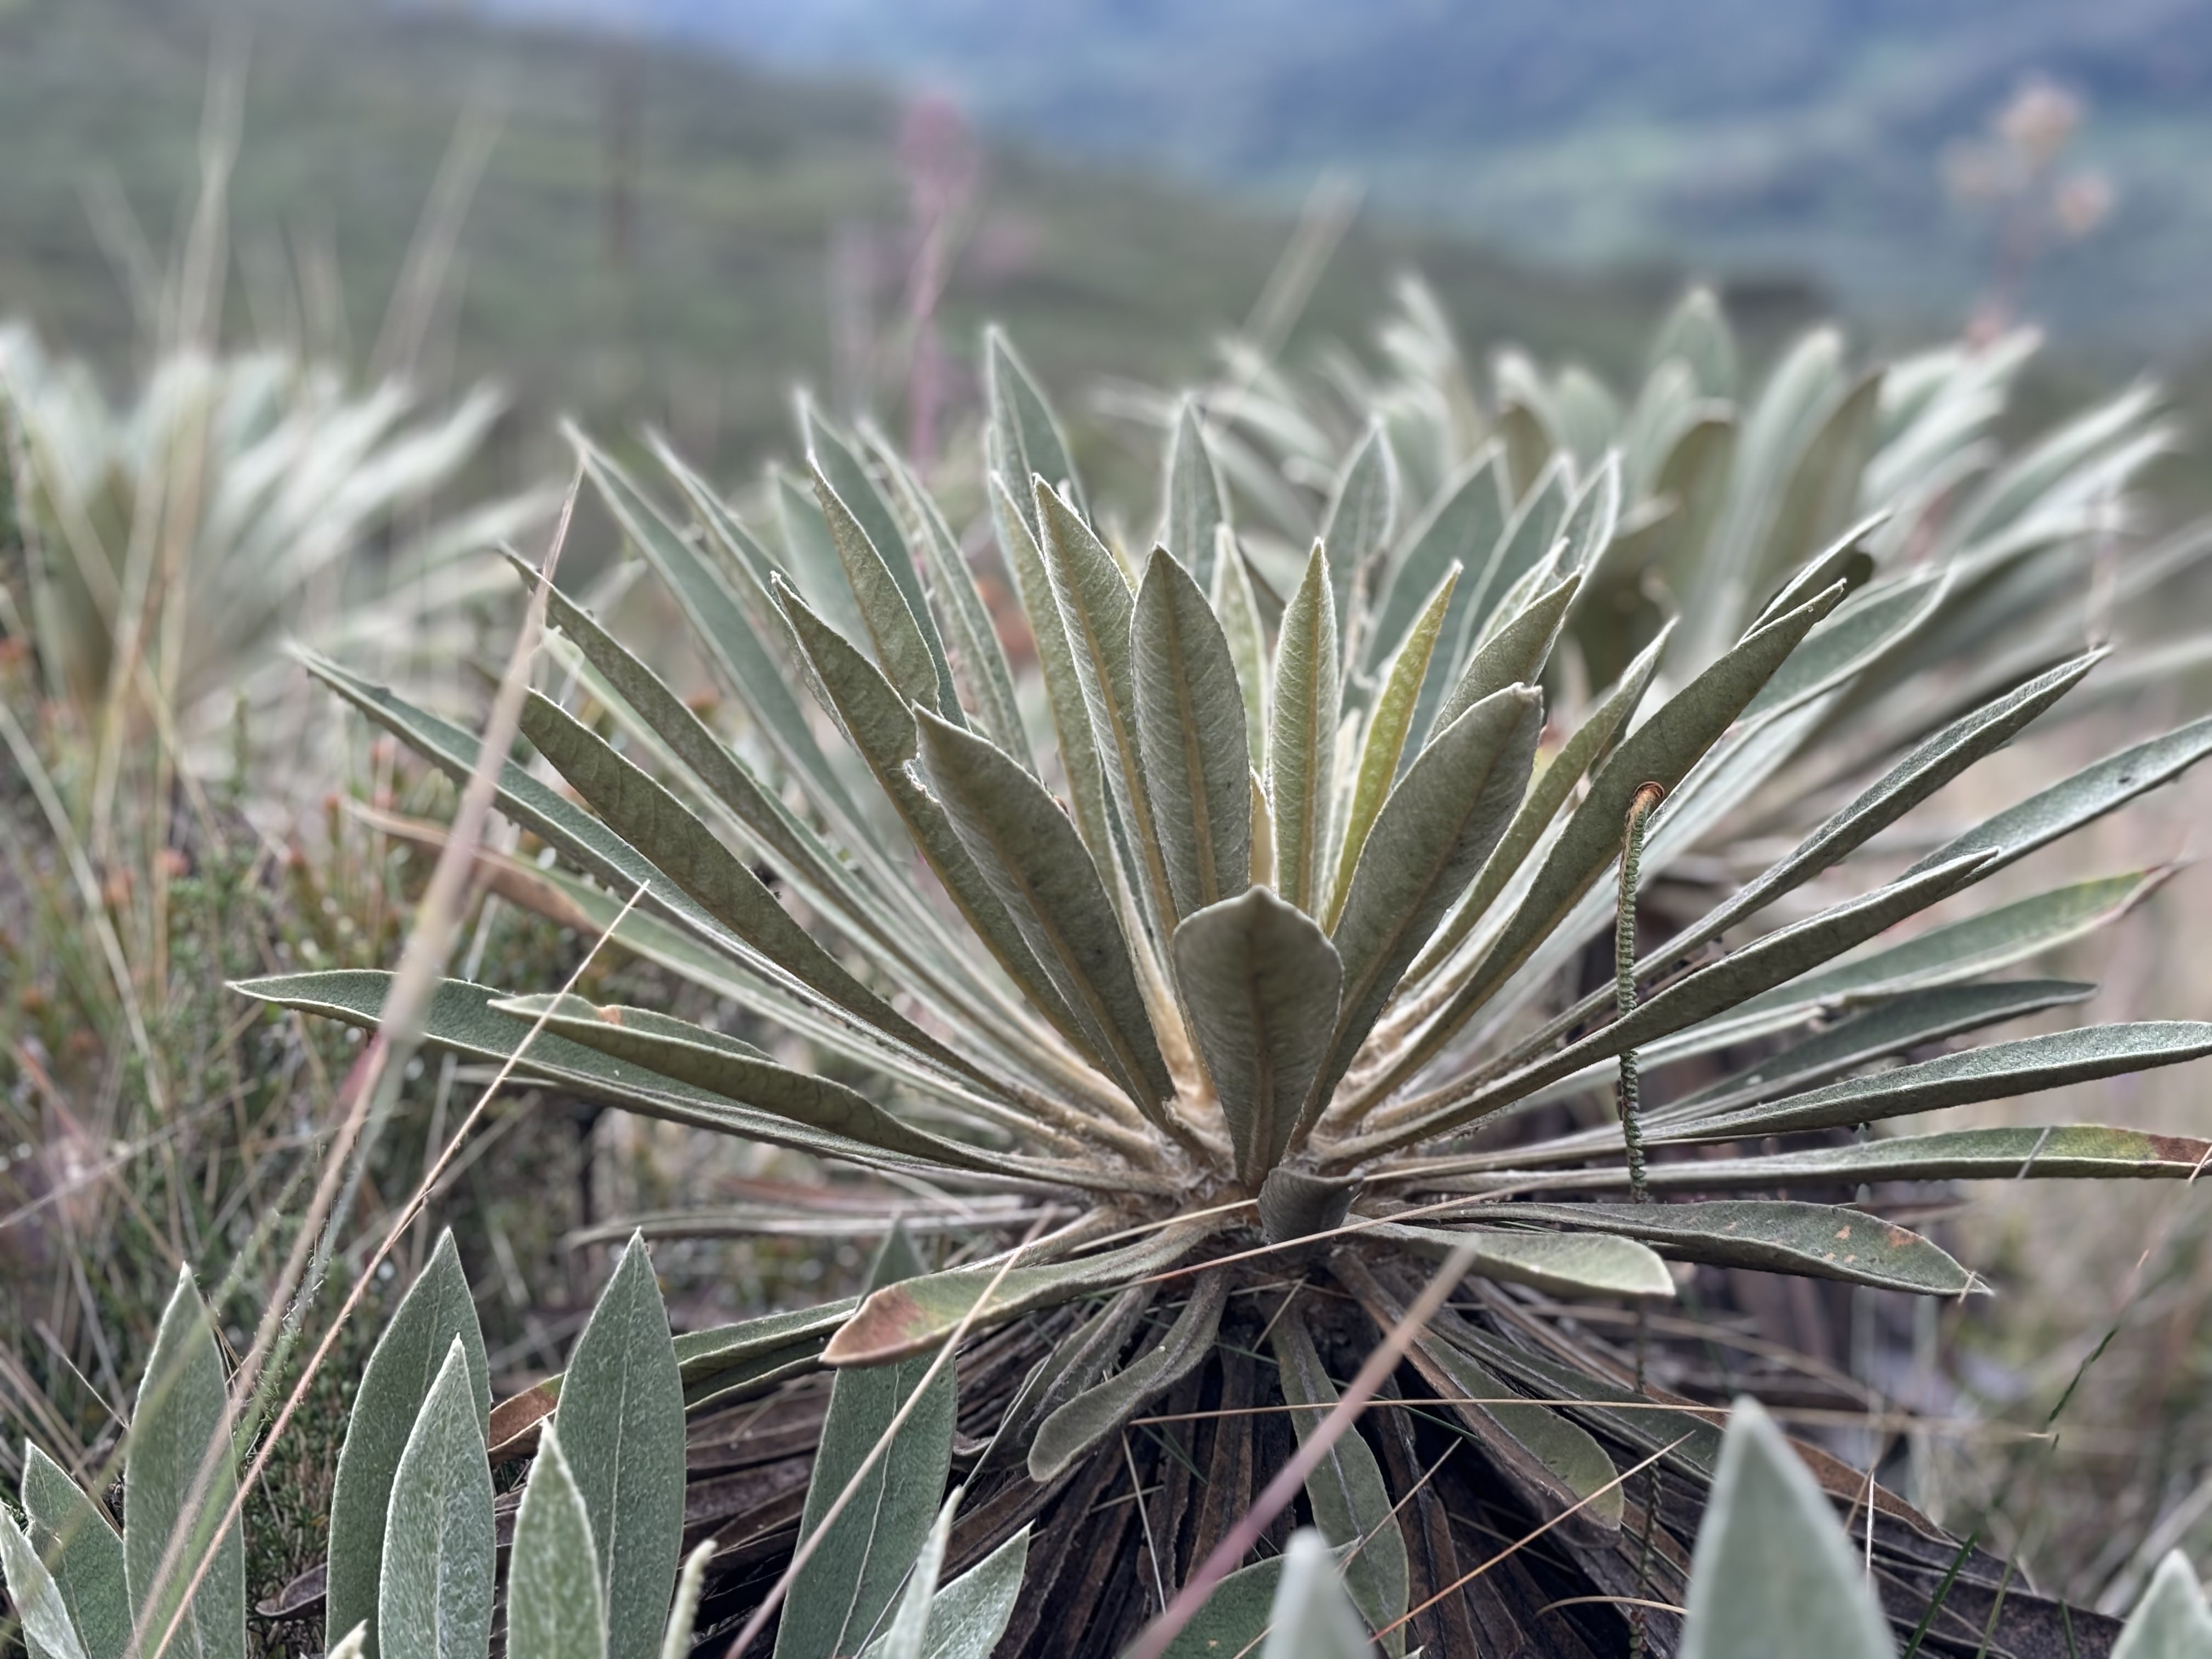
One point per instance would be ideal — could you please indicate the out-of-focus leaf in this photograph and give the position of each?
(1311, 1616)
(1193, 505)
(1363, 505)
(2170, 1621)
(1773, 1575)
(1023, 436)
(434, 1590)
(1232, 600)
(1461, 529)
(1260, 984)
(437, 1311)
(621, 1422)
(48, 1630)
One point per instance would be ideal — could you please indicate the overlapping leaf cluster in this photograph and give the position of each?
(1233, 945)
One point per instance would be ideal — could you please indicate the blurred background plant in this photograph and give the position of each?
(653, 238)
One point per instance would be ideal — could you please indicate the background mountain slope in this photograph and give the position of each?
(1797, 134)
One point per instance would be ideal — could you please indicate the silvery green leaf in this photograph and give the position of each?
(811, 563)
(48, 1630)
(1931, 764)
(1311, 1616)
(1382, 744)
(1351, 1505)
(1440, 823)
(882, 727)
(1193, 505)
(1588, 1264)
(1035, 861)
(1588, 529)
(1956, 951)
(1097, 608)
(1772, 959)
(1023, 435)
(1661, 750)
(1524, 544)
(1234, 1618)
(905, 642)
(1461, 529)
(1260, 984)
(965, 618)
(720, 623)
(1997, 1072)
(555, 1607)
(675, 1048)
(180, 1418)
(437, 1311)
(2090, 794)
(969, 1616)
(2081, 1152)
(1817, 1241)
(1773, 1575)
(1871, 622)
(915, 1316)
(657, 826)
(911, 1623)
(1891, 1026)
(2170, 1621)
(75, 1540)
(434, 1598)
(837, 465)
(846, 1585)
(1514, 653)
(621, 1422)
(460, 1019)
(1363, 506)
(1013, 515)
(1301, 741)
(1191, 738)
(1548, 793)
(1097, 1411)
(1231, 599)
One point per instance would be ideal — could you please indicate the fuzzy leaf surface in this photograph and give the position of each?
(434, 1597)
(555, 1607)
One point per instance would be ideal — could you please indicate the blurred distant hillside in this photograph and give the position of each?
(658, 236)
(1806, 134)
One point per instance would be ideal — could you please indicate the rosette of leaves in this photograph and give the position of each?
(1215, 979)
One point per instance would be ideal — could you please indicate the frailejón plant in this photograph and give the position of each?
(1224, 975)
(424, 1562)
